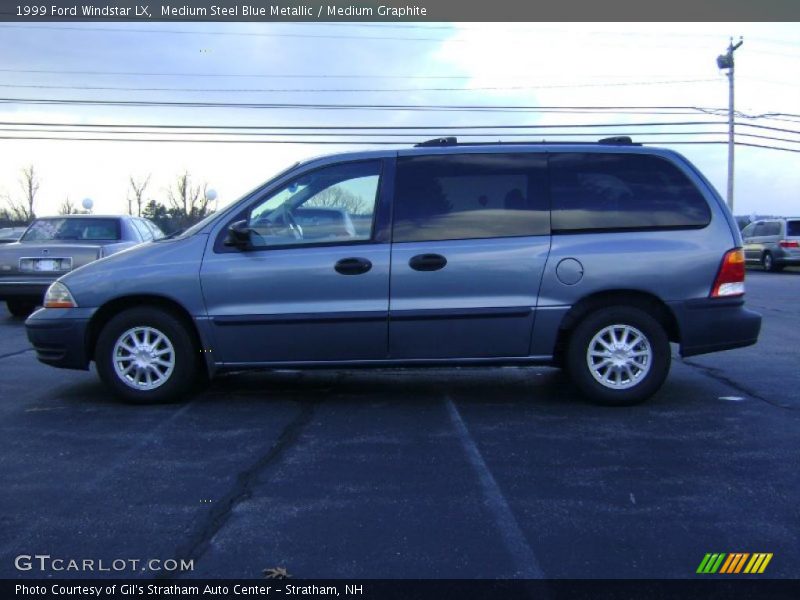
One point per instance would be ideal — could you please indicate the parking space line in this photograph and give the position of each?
(17, 353)
(525, 561)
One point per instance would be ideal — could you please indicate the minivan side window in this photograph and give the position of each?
(617, 191)
(772, 228)
(470, 196)
(332, 204)
(748, 231)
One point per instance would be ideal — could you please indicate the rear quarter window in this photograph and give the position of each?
(793, 228)
(596, 191)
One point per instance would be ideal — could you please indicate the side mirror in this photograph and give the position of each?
(239, 235)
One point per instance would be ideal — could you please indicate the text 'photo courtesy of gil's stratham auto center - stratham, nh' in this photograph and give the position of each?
(400, 300)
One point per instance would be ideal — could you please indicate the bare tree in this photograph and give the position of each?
(188, 202)
(337, 197)
(22, 210)
(136, 194)
(67, 207)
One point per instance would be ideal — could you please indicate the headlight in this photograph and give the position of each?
(58, 296)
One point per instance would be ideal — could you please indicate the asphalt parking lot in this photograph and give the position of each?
(411, 474)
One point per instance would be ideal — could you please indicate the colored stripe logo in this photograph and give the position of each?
(733, 563)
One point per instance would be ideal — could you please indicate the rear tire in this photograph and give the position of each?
(618, 356)
(769, 263)
(147, 356)
(20, 308)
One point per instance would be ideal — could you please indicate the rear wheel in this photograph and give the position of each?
(20, 308)
(618, 356)
(769, 264)
(147, 355)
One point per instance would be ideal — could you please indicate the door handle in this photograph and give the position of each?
(352, 266)
(427, 262)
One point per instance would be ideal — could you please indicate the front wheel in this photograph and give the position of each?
(147, 355)
(618, 356)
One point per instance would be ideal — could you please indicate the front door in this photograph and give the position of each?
(314, 285)
(471, 235)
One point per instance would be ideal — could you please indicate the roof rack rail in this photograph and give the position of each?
(619, 140)
(442, 141)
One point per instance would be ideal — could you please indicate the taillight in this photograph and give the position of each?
(789, 244)
(730, 279)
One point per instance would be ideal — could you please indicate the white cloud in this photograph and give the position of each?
(487, 55)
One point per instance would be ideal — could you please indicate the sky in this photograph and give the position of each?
(433, 64)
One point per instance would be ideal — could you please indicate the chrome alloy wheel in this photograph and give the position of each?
(619, 356)
(143, 358)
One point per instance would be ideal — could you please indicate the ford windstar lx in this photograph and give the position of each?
(593, 257)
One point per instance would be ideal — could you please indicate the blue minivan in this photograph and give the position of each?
(593, 257)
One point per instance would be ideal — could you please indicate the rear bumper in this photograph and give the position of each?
(21, 288)
(788, 259)
(58, 341)
(714, 324)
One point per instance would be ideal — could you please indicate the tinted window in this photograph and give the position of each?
(144, 232)
(157, 233)
(622, 191)
(760, 229)
(793, 228)
(470, 196)
(74, 228)
(772, 228)
(330, 205)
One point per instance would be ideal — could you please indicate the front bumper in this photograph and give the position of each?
(59, 336)
(714, 324)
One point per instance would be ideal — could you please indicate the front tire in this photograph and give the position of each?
(618, 356)
(147, 356)
(20, 308)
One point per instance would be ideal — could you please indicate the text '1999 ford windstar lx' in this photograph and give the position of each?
(590, 256)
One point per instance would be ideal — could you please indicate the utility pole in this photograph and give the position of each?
(725, 61)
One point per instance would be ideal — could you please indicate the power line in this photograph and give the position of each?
(377, 127)
(320, 106)
(359, 135)
(332, 142)
(260, 75)
(767, 137)
(270, 141)
(767, 127)
(336, 90)
(250, 75)
(765, 146)
(362, 135)
(279, 34)
(128, 30)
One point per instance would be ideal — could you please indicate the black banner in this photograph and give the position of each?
(398, 10)
(730, 588)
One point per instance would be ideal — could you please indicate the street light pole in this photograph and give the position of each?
(725, 61)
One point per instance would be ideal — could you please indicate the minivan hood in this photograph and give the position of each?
(150, 268)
